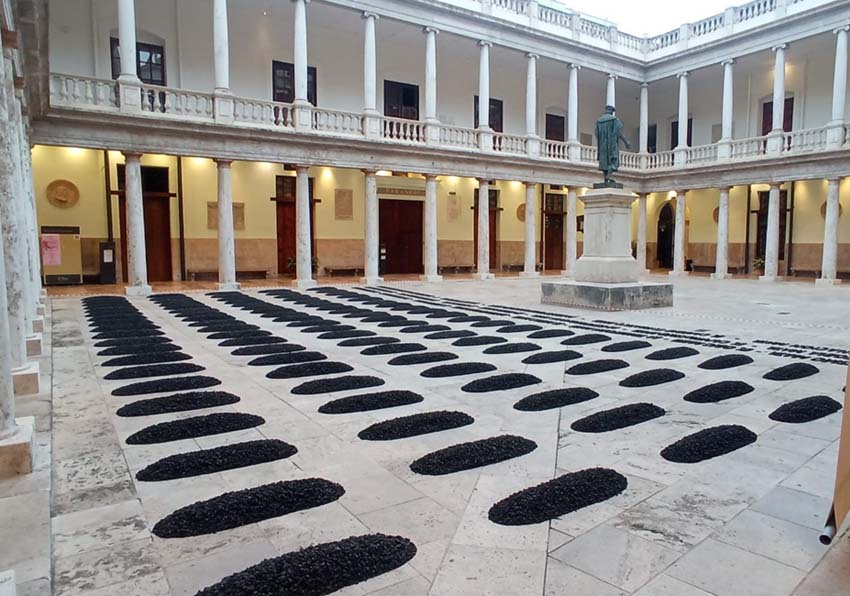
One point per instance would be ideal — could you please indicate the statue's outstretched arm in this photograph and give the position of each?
(625, 142)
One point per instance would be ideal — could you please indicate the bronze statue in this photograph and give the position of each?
(609, 133)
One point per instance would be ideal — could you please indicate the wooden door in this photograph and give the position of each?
(761, 226)
(666, 229)
(767, 116)
(285, 191)
(553, 232)
(494, 229)
(156, 203)
(555, 126)
(400, 235)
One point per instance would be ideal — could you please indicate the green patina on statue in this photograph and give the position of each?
(609, 133)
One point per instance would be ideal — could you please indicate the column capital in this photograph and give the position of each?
(433, 30)
(836, 180)
(575, 66)
(370, 15)
(529, 184)
(485, 44)
(782, 46)
(843, 28)
(430, 176)
(728, 62)
(131, 155)
(483, 181)
(644, 85)
(532, 56)
(682, 75)
(301, 169)
(775, 185)
(223, 163)
(612, 76)
(369, 172)
(725, 189)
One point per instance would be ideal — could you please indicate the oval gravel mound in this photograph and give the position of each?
(181, 402)
(550, 357)
(137, 359)
(309, 369)
(513, 348)
(132, 341)
(457, 370)
(648, 378)
(805, 410)
(267, 349)
(617, 418)
(726, 361)
(239, 333)
(125, 335)
(672, 353)
(139, 349)
(556, 398)
(191, 428)
(251, 341)
(371, 401)
(558, 497)
(336, 384)
(364, 342)
(492, 323)
(352, 334)
(153, 370)
(474, 454)
(479, 340)
(162, 385)
(790, 372)
(387, 349)
(425, 329)
(456, 334)
(468, 319)
(583, 340)
(597, 366)
(249, 506)
(219, 459)
(708, 443)
(415, 425)
(717, 392)
(501, 383)
(627, 346)
(422, 358)
(550, 333)
(318, 570)
(516, 328)
(288, 358)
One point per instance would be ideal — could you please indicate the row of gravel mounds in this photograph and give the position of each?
(163, 385)
(474, 454)
(192, 428)
(138, 359)
(180, 402)
(153, 370)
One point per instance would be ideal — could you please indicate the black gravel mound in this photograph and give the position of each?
(672, 353)
(153, 370)
(287, 358)
(597, 366)
(230, 326)
(501, 383)
(318, 570)
(136, 359)
(473, 454)
(583, 340)
(425, 329)
(556, 398)
(422, 358)
(617, 418)
(627, 346)
(191, 428)
(132, 341)
(328, 326)
(514, 348)
(182, 402)
(401, 323)
(648, 378)
(549, 333)
(353, 334)
(805, 410)
(789, 372)
(249, 506)
(370, 401)
(346, 383)
(479, 340)
(386, 349)
(252, 341)
(518, 328)
(267, 349)
(457, 370)
(309, 369)
(491, 323)
(708, 443)
(210, 461)
(362, 342)
(137, 333)
(549, 357)
(451, 334)
(239, 333)
(415, 425)
(163, 385)
(726, 361)
(719, 392)
(139, 349)
(468, 319)
(558, 497)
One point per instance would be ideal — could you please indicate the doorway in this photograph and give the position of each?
(494, 229)
(400, 236)
(285, 191)
(553, 232)
(666, 228)
(761, 223)
(156, 204)
(767, 116)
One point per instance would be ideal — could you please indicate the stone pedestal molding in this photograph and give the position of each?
(16, 460)
(25, 380)
(34, 345)
(607, 255)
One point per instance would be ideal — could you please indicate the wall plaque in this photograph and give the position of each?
(63, 194)
(343, 203)
(238, 216)
(453, 208)
(520, 212)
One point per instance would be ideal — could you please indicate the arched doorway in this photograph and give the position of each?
(666, 227)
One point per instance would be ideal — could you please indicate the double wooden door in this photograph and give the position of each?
(156, 201)
(666, 229)
(553, 232)
(494, 228)
(400, 235)
(285, 191)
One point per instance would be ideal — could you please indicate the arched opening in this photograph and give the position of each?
(666, 226)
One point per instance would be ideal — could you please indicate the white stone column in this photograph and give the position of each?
(679, 235)
(303, 240)
(839, 89)
(724, 146)
(432, 123)
(681, 155)
(370, 267)
(572, 114)
(641, 235)
(611, 91)
(829, 266)
(771, 250)
(226, 241)
(137, 261)
(430, 227)
(776, 137)
(533, 139)
(371, 117)
(721, 265)
(223, 97)
(485, 132)
(303, 109)
(572, 231)
(129, 84)
(530, 261)
(483, 270)
(644, 118)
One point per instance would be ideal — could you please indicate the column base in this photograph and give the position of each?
(827, 282)
(305, 284)
(16, 460)
(25, 380)
(371, 281)
(142, 290)
(483, 276)
(769, 278)
(678, 273)
(39, 310)
(229, 287)
(7, 583)
(721, 276)
(34, 347)
(529, 274)
(38, 325)
(431, 278)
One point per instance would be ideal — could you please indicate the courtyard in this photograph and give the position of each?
(265, 453)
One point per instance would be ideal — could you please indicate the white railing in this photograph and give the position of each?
(336, 122)
(263, 113)
(753, 10)
(553, 16)
(593, 29)
(660, 160)
(455, 136)
(510, 144)
(588, 154)
(405, 131)
(707, 26)
(701, 154)
(516, 6)
(177, 102)
(629, 160)
(83, 92)
(743, 148)
(665, 40)
(804, 141)
(554, 150)
(625, 40)
(847, 133)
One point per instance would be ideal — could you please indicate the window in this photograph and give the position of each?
(674, 133)
(496, 114)
(555, 127)
(401, 100)
(652, 139)
(283, 82)
(150, 62)
(767, 116)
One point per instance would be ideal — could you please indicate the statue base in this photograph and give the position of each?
(599, 185)
(597, 296)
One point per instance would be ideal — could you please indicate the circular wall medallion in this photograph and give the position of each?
(520, 212)
(823, 210)
(716, 214)
(63, 194)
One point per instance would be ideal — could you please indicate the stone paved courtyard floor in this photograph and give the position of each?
(741, 524)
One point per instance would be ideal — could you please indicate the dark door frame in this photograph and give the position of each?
(283, 269)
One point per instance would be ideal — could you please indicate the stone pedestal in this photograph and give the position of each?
(25, 380)
(16, 456)
(625, 296)
(38, 325)
(138, 291)
(827, 282)
(34, 345)
(431, 278)
(306, 284)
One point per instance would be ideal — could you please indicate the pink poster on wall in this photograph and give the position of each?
(51, 250)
